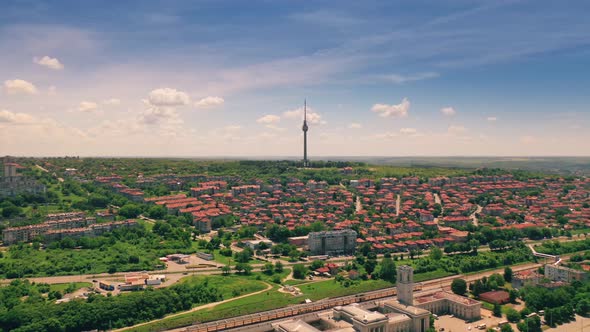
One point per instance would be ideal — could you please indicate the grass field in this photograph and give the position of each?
(265, 301)
(230, 286)
(63, 287)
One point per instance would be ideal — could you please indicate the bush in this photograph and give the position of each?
(512, 315)
(299, 271)
(459, 286)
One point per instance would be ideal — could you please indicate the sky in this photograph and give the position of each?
(229, 78)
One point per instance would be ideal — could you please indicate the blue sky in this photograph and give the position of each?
(228, 78)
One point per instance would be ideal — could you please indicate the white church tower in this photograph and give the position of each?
(405, 285)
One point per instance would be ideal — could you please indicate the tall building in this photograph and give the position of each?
(405, 285)
(12, 183)
(305, 129)
(340, 242)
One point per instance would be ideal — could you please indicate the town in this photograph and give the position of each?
(344, 226)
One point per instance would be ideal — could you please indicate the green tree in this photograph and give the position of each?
(506, 328)
(512, 315)
(299, 271)
(279, 267)
(268, 268)
(508, 274)
(513, 293)
(583, 307)
(497, 310)
(435, 253)
(388, 270)
(130, 210)
(225, 270)
(459, 286)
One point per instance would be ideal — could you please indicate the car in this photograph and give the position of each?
(441, 329)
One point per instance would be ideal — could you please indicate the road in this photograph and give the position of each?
(473, 216)
(176, 271)
(358, 204)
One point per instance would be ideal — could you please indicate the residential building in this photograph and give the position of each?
(340, 242)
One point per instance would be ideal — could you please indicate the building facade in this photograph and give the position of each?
(341, 242)
(565, 274)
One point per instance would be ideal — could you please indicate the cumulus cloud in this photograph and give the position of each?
(87, 106)
(269, 119)
(408, 131)
(456, 130)
(112, 102)
(15, 118)
(19, 86)
(49, 62)
(396, 111)
(491, 118)
(355, 125)
(156, 115)
(312, 116)
(209, 102)
(168, 97)
(448, 111)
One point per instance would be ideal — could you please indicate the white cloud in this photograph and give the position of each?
(269, 119)
(87, 106)
(448, 111)
(112, 102)
(168, 97)
(456, 130)
(400, 79)
(400, 110)
(49, 62)
(157, 115)
(355, 125)
(491, 118)
(408, 131)
(312, 116)
(19, 86)
(210, 102)
(15, 118)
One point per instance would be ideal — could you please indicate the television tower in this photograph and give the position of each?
(305, 129)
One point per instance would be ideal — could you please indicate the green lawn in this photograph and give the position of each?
(273, 299)
(265, 301)
(230, 286)
(62, 287)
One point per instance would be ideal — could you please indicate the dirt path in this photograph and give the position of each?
(397, 205)
(205, 306)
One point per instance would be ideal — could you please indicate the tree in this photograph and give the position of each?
(512, 315)
(226, 269)
(157, 212)
(268, 268)
(316, 264)
(130, 211)
(279, 267)
(497, 310)
(513, 293)
(583, 307)
(388, 271)
(299, 271)
(435, 253)
(459, 286)
(506, 328)
(508, 274)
